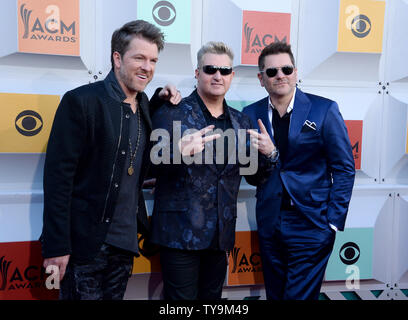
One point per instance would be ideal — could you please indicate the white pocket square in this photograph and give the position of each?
(311, 125)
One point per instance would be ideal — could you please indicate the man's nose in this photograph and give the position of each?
(280, 74)
(146, 65)
(217, 75)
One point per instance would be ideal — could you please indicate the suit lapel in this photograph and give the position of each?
(263, 114)
(301, 109)
(197, 117)
(198, 121)
(236, 127)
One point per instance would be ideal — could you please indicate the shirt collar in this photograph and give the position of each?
(290, 106)
(205, 110)
(114, 88)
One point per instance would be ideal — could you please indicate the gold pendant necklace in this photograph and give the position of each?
(130, 170)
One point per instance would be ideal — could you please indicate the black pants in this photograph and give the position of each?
(105, 278)
(193, 274)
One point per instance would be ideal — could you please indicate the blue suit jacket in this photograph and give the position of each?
(192, 201)
(319, 169)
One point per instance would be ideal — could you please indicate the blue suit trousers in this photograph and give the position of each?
(294, 257)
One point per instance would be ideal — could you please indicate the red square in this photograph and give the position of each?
(22, 276)
(355, 132)
(260, 29)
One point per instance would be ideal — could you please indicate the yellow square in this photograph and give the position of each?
(144, 264)
(26, 122)
(361, 26)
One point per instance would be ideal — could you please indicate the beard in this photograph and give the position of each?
(130, 82)
(282, 90)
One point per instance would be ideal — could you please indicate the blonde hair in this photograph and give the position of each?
(216, 48)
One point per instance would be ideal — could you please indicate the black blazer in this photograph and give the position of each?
(83, 169)
(192, 201)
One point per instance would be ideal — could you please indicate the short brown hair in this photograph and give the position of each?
(275, 48)
(137, 28)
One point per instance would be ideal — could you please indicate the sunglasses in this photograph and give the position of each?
(213, 69)
(272, 72)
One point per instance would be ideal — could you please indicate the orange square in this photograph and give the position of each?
(245, 266)
(260, 29)
(48, 27)
(355, 132)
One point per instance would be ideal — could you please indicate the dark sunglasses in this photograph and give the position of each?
(213, 69)
(272, 72)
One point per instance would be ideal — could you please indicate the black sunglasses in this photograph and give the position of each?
(272, 72)
(213, 69)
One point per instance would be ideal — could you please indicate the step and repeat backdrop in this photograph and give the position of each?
(351, 51)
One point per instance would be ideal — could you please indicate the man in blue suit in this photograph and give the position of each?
(195, 206)
(305, 200)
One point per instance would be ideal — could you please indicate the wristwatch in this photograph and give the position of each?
(274, 154)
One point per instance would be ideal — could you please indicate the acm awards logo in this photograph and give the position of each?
(355, 150)
(256, 42)
(355, 131)
(359, 24)
(52, 29)
(15, 278)
(29, 123)
(164, 13)
(259, 29)
(242, 263)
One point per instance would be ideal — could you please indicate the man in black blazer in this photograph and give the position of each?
(97, 158)
(195, 205)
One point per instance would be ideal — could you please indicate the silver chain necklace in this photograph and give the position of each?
(131, 170)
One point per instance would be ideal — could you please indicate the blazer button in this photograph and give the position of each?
(123, 152)
(127, 116)
(116, 185)
(107, 220)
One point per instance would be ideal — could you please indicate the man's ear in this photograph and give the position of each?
(117, 59)
(260, 79)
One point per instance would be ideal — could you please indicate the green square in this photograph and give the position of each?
(173, 17)
(239, 104)
(352, 253)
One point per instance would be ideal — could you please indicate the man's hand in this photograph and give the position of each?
(171, 94)
(149, 184)
(194, 143)
(262, 141)
(60, 262)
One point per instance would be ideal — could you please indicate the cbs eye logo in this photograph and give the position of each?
(29, 123)
(361, 26)
(349, 253)
(164, 13)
